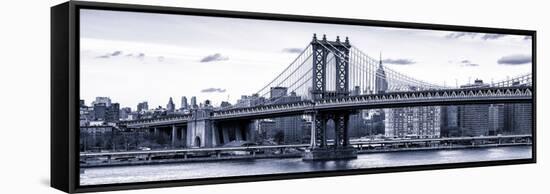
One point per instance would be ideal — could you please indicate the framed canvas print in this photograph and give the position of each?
(148, 96)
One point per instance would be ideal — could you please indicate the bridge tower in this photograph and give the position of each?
(341, 149)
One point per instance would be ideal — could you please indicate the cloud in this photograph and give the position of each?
(108, 55)
(116, 53)
(492, 36)
(214, 57)
(472, 35)
(456, 35)
(468, 63)
(211, 90)
(292, 50)
(160, 58)
(399, 61)
(517, 59)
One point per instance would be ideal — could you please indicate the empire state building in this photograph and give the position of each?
(381, 84)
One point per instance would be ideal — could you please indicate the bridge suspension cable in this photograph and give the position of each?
(525, 79)
(292, 74)
(363, 72)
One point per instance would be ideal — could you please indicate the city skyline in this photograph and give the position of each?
(173, 63)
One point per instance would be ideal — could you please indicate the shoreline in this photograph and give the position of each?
(83, 167)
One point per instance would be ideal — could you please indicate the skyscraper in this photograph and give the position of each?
(142, 106)
(184, 104)
(194, 102)
(356, 123)
(170, 107)
(496, 119)
(380, 83)
(290, 125)
(449, 121)
(522, 118)
(473, 120)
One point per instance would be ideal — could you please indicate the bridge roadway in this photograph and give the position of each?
(256, 148)
(463, 96)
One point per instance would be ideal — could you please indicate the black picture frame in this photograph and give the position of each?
(65, 94)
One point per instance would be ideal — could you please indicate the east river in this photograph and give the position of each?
(144, 173)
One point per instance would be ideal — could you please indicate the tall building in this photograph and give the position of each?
(225, 104)
(184, 104)
(104, 100)
(290, 125)
(266, 129)
(356, 123)
(522, 117)
(86, 114)
(277, 92)
(356, 91)
(250, 101)
(125, 113)
(170, 107)
(142, 106)
(473, 120)
(496, 119)
(194, 103)
(380, 82)
(449, 121)
(375, 122)
(413, 122)
(102, 112)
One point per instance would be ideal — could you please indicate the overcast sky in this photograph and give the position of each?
(133, 57)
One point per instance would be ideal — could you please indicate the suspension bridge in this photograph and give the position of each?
(333, 79)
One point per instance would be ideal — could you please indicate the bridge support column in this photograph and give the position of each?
(199, 133)
(215, 134)
(183, 136)
(239, 133)
(225, 135)
(174, 136)
(319, 149)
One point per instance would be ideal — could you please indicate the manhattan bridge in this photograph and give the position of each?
(334, 80)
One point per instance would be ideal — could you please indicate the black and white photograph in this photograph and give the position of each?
(181, 97)
(274, 97)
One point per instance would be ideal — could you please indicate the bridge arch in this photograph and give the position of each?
(197, 142)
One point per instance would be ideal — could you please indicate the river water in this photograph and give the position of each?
(127, 174)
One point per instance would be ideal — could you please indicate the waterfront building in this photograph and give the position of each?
(413, 122)
(473, 120)
(449, 121)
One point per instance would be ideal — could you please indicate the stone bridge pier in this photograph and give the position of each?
(203, 131)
